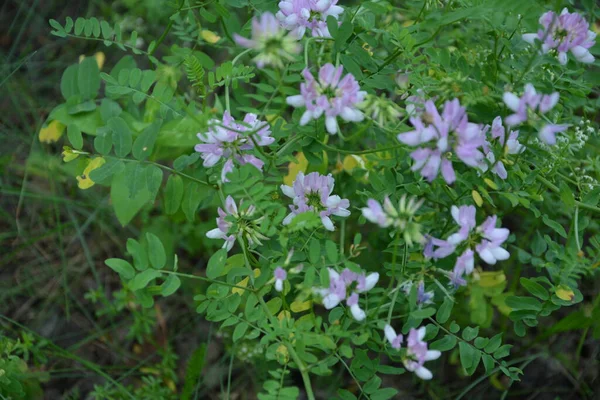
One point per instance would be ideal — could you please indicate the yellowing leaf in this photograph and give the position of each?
(68, 154)
(284, 315)
(99, 56)
(244, 283)
(294, 168)
(491, 278)
(298, 306)
(491, 183)
(564, 293)
(282, 354)
(84, 181)
(477, 198)
(51, 132)
(210, 36)
(350, 162)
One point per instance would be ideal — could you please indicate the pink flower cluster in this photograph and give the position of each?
(312, 192)
(437, 134)
(563, 33)
(227, 140)
(488, 238)
(331, 95)
(417, 351)
(300, 15)
(347, 285)
(510, 145)
(532, 102)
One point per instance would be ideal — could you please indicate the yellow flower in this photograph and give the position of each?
(84, 181)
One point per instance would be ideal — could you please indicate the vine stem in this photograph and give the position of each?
(397, 290)
(303, 371)
(167, 29)
(208, 280)
(171, 170)
(227, 106)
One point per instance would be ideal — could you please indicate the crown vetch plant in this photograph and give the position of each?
(418, 185)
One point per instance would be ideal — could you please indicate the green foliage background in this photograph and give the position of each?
(114, 291)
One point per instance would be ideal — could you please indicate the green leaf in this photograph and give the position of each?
(142, 279)
(170, 285)
(103, 141)
(74, 135)
(185, 161)
(144, 144)
(314, 251)
(191, 200)
(443, 313)
(122, 267)
(216, 264)
(122, 137)
(332, 25)
(384, 394)
(126, 206)
(108, 169)
(469, 357)
(493, 344)
(138, 253)
(343, 34)
(109, 109)
(502, 352)
(88, 78)
(193, 371)
(470, 333)
(523, 303)
(68, 83)
(79, 25)
(156, 251)
(423, 313)
(79, 108)
(488, 362)
(444, 344)
(239, 331)
(154, 177)
(331, 251)
(535, 288)
(555, 226)
(135, 174)
(173, 194)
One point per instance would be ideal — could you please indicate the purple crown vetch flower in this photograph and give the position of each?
(273, 43)
(227, 140)
(417, 353)
(229, 226)
(312, 192)
(526, 106)
(402, 218)
(391, 336)
(347, 285)
(280, 275)
(439, 135)
(509, 145)
(488, 238)
(330, 94)
(565, 32)
(300, 15)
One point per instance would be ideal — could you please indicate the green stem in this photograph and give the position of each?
(303, 371)
(555, 189)
(208, 280)
(167, 29)
(397, 290)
